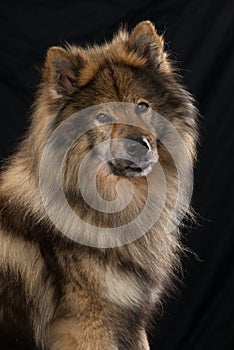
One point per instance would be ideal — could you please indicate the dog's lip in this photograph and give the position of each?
(141, 166)
(133, 167)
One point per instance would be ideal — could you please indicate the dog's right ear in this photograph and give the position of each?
(60, 72)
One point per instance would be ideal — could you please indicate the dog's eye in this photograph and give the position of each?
(103, 118)
(142, 107)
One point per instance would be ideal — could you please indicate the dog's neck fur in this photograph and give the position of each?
(21, 202)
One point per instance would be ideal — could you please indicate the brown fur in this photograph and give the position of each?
(71, 296)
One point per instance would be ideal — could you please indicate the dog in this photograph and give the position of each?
(62, 285)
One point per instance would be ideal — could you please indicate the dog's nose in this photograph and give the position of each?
(137, 148)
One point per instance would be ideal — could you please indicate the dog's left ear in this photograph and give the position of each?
(147, 43)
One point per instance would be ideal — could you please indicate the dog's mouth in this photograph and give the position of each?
(127, 168)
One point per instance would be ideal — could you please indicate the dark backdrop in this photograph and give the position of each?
(199, 36)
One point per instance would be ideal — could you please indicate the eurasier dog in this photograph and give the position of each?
(58, 290)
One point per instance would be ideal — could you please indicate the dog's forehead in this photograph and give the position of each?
(120, 83)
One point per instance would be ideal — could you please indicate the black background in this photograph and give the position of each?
(199, 36)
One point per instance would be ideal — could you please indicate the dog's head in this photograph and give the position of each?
(133, 69)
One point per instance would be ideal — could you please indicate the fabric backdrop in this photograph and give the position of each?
(199, 36)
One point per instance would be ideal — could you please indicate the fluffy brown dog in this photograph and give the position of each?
(55, 291)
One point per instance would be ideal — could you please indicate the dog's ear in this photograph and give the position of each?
(61, 70)
(147, 43)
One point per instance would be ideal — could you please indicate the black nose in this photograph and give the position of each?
(137, 148)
